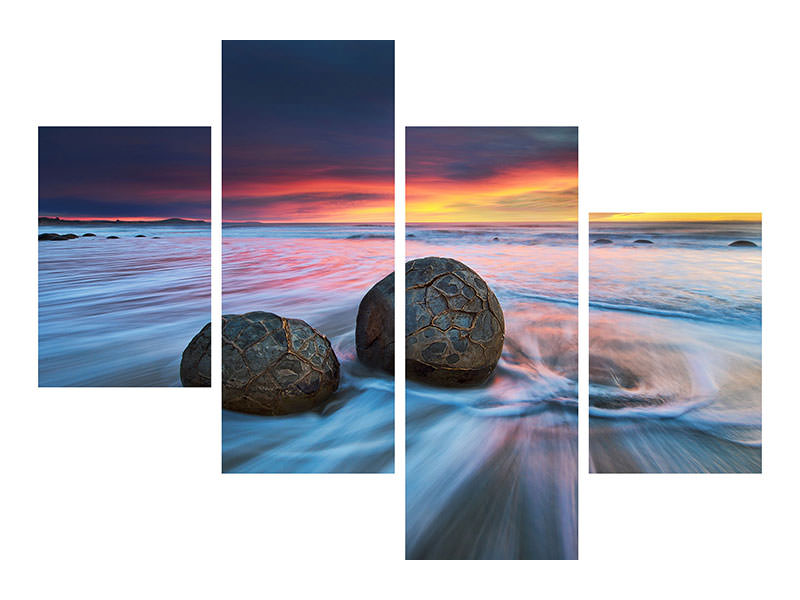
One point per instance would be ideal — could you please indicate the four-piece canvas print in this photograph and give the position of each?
(489, 293)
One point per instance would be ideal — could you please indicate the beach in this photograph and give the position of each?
(675, 348)
(491, 471)
(318, 273)
(119, 312)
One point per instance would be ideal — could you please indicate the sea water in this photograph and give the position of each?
(675, 348)
(318, 273)
(120, 312)
(491, 471)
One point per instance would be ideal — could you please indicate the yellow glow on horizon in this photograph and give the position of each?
(510, 197)
(678, 217)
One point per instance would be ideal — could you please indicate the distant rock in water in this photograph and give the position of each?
(88, 235)
(155, 237)
(454, 324)
(642, 242)
(743, 243)
(140, 235)
(375, 326)
(112, 237)
(196, 360)
(56, 237)
(275, 366)
(603, 241)
(410, 235)
(495, 239)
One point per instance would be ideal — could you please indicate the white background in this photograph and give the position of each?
(118, 493)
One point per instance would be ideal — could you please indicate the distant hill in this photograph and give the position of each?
(173, 221)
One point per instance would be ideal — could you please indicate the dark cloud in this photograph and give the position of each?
(475, 153)
(295, 110)
(125, 171)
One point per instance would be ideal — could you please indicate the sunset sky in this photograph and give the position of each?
(308, 131)
(491, 174)
(678, 217)
(125, 172)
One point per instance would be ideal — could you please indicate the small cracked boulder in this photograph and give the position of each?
(275, 366)
(196, 360)
(375, 326)
(454, 324)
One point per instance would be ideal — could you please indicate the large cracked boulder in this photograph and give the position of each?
(196, 360)
(275, 366)
(375, 326)
(454, 324)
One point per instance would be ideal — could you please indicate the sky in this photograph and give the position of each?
(650, 217)
(308, 131)
(125, 173)
(491, 174)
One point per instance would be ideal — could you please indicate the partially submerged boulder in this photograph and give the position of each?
(454, 324)
(642, 242)
(275, 366)
(375, 326)
(56, 237)
(88, 235)
(743, 244)
(603, 241)
(112, 237)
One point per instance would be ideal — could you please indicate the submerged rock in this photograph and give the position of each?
(112, 237)
(603, 241)
(642, 242)
(88, 235)
(56, 237)
(275, 366)
(375, 326)
(743, 243)
(196, 360)
(140, 235)
(454, 324)
(155, 237)
(607, 372)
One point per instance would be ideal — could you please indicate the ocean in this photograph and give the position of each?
(492, 471)
(119, 312)
(675, 348)
(318, 273)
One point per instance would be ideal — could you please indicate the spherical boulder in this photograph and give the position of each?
(375, 326)
(454, 324)
(196, 360)
(275, 366)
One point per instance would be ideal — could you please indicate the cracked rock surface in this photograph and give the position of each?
(375, 326)
(196, 360)
(454, 323)
(274, 366)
